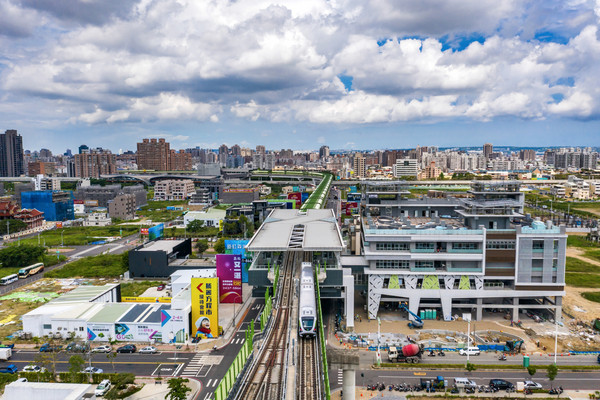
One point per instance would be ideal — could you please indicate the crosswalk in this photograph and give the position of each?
(238, 340)
(340, 377)
(200, 365)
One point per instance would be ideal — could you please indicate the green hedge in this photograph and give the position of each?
(484, 366)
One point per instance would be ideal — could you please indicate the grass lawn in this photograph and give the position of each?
(581, 241)
(180, 232)
(157, 210)
(585, 280)
(8, 271)
(105, 265)
(594, 254)
(134, 289)
(80, 235)
(591, 296)
(577, 265)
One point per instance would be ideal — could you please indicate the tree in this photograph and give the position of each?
(551, 373)
(21, 256)
(195, 225)
(201, 246)
(14, 225)
(220, 246)
(111, 358)
(125, 260)
(76, 364)
(531, 370)
(470, 367)
(177, 389)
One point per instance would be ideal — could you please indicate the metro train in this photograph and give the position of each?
(307, 324)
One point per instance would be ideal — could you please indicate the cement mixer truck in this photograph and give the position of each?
(411, 354)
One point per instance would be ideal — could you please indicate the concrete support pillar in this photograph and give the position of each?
(515, 313)
(558, 309)
(446, 307)
(413, 306)
(349, 386)
(479, 310)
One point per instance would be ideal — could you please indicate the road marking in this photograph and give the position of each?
(209, 383)
(340, 376)
(86, 251)
(420, 373)
(116, 248)
(208, 396)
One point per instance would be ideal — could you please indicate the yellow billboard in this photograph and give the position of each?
(205, 311)
(129, 299)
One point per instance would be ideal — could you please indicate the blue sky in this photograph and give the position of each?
(299, 74)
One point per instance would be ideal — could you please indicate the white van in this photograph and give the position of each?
(102, 388)
(472, 351)
(465, 383)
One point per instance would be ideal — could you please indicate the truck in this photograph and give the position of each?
(411, 353)
(5, 353)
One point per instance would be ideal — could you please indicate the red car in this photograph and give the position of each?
(161, 287)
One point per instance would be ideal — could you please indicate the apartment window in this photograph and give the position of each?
(47, 326)
(538, 245)
(392, 264)
(537, 265)
(554, 263)
(392, 246)
(423, 264)
(556, 245)
(500, 244)
(424, 245)
(464, 246)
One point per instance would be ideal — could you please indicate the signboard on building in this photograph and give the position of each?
(173, 324)
(229, 271)
(144, 231)
(91, 203)
(205, 307)
(355, 197)
(146, 299)
(100, 332)
(156, 232)
(297, 196)
(239, 247)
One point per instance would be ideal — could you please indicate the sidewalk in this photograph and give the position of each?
(362, 394)
(151, 391)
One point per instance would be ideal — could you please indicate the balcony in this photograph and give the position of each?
(466, 251)
(422, 250)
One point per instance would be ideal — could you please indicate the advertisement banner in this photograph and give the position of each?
(99, 332)
(239, 247)
(297, 197)
(354, 197)
(122, 332)
(305, 196)
(156, 232)
(229, 271)
(174, 324)
(145, 299)
(144, 231)
(205, 307)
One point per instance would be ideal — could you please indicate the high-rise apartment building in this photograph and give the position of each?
(11, 154)
(406, 167)
(527, 155)
(153, 154)
(260, 149)
(95, 163)
(324, 152)
(360, 166)
(180, 161)
(488, 149)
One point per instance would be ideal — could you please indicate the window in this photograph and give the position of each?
(47, 326)
(556, 245)
(392, 264)
(423, 264)
(392, 246)
(554, 263)
(465, 246)
(500, 244)
(81, 328)
(424, 245)
(538, 245)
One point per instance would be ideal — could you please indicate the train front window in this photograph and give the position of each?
(308, 323)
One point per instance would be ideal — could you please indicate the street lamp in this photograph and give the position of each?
(468, 338)
(62, 243)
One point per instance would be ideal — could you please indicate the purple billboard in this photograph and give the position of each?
(229, 272)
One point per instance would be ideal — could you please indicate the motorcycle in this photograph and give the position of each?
(381, 387)
(431, 353)
(557, 390)
(527, 391)
(502, 357)
(441, 353)
(454, 390)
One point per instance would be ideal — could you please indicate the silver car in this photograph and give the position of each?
(148, 350)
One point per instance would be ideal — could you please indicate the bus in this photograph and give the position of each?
(7, 280)
(31, 270)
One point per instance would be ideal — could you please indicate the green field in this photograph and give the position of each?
(574, 207)
(581, 241)
(591, 296)
(134, 289)
(584, 280)
(80, 235)
(577, 265)
(157, 210)
(180, 232)
(102, 266)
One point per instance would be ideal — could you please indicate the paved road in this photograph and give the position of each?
(210, 367)
(568, 380)
(116, 247)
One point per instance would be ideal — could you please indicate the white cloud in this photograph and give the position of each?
(212, 61)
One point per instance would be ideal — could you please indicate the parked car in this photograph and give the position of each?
(93, 370)
(9, 369)
(22, 380)
(102, 349)
(48, 348)
(102, 388)
(33, 368)
(472, 351)
(531, 385)
(501, 384)
(77, 347)
(161, 287)
(148, 350)
(128, 348)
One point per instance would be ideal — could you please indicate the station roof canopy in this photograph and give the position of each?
(311, 230)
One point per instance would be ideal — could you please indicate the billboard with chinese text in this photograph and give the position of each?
(239, 247)
(229, 271)
(156, 231)
(205, 307)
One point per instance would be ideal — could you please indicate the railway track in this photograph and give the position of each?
(266, 378)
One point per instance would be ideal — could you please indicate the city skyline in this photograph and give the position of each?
(299, 75)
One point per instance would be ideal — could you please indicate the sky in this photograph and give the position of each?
(300, 73)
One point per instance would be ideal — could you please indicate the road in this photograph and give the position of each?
(117, 247)
(568, 380)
